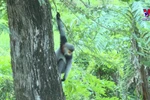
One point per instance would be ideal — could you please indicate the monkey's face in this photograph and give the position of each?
(68, 49)
(67, 52)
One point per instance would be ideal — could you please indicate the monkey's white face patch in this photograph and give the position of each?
(67, 51)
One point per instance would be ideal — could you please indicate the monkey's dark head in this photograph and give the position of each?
(68, 49)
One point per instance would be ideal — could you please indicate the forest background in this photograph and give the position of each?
(112, 49)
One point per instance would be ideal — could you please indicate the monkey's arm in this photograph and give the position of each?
(61, 66)
(61, 29)
(61, 26)
(68, 67)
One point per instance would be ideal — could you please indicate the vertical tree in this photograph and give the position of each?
(141, 77)
(141, 71)
(32, 52)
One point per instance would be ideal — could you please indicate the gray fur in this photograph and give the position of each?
(64, 53)
(69, 46)
(61, 27)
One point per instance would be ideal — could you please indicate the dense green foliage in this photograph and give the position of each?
(6, 82)
(101, 32)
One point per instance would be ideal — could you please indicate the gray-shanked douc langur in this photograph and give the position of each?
(64, 53)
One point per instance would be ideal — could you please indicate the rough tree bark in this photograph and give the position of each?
(32, 52)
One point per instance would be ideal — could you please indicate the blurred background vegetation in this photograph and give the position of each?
(102, 32)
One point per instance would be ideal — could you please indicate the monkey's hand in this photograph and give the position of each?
(63, 79)
(58, 15)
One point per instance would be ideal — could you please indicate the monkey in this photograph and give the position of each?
(64, 53)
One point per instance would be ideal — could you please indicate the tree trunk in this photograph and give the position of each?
(32, 52)
(145, 89)
(141, 72)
